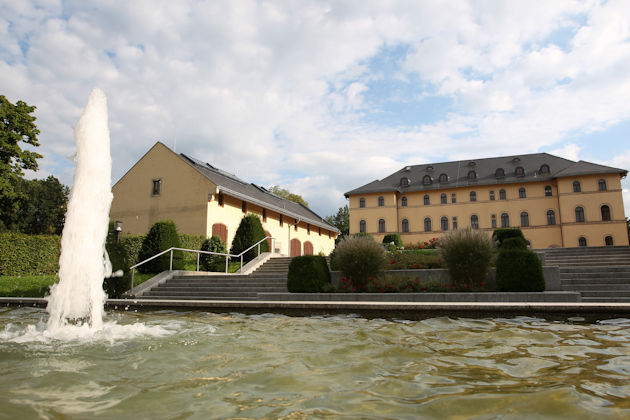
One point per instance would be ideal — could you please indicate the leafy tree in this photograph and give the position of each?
(249, 232)
(341, 221)
(162, 236)
(281, 192)
(17, 125)
(41, 206)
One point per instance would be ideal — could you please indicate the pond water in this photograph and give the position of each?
(199, 365)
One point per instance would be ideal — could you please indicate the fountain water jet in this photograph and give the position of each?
(79, 296)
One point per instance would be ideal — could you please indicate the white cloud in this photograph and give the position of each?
(278, 92)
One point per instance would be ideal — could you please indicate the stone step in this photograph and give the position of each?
(218, 295)
(616, 268)
(605, 294)
(170, 283)
(594, 281)
(605, 299)
(600, 287)
(205, 289)
(194, 298)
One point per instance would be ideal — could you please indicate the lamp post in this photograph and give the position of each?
(118, 229)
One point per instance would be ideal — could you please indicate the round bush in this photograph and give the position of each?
(519, 271)
(513, 243)
(468, 255)
(359, 257)
(249, 232)
(208, 262)
(393, 238)
(162, 236)
(499, 235)
(308, 274)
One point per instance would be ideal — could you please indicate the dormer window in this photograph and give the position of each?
(544, 169)
(429, 168)
(472, 163)
(516, 160)
(426, 180)
(499, 173)
(157, 187)
(472, 175)
(404, 182)
(519, 171)
(443, 178)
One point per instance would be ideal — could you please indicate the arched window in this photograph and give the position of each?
(454, 222)
(505, 220)
(522, 193)
(492, 195)
(502, 194)
(519, 171)
(524, 219)
(381, 201)
(404, 182)
(582, 241)
(427, 224)
(444, 223)
(426, 180)
(443, 178)
(362, 202)
(499, 173)
(473, 196)
(381, 225)
(579, 214)
(427, 201)
(548, 191)
(576, 186)
(493, 221)
(605, 213)
(602, 184)
(362, 226)
(608, 241)
(405, 225)
(404, 201)
(443, 198)
(474, 221)
(551, 217)
(472, 175)
(544, 169)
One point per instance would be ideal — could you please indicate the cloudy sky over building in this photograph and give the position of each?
(321, 97)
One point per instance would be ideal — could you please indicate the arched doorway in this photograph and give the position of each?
(269, 241)
(296, 248)
(308, 248)
(220, 230)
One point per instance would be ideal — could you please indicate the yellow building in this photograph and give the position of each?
(204, 200)
(555, 201)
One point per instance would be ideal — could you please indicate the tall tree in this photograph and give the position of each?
(42, 206)
(281, 192)
(17, 126)
(341, 221)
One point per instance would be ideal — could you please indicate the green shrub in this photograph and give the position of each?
(513, 243)
(393, 237)
(130, 247)
(162, 236)
(499, 235)
(334, 261)
(191, 241)
(115, 286)
(213, 262)
(413, 259)
(468, 256)
(22, 254)
(363, 234)
(249, 232)
(308, 274)
(519, 270)
(360, 257)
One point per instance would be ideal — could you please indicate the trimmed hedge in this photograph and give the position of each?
(162, 236)
(213, 262)
(249, 232)
(24, 255)
(519, 271)
(393, 237)
(499, 235)
(308, 274)
(513, 243)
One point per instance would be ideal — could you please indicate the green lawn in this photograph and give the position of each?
(26, 286)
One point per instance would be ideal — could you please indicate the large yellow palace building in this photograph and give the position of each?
(555, 201)
(204, 200)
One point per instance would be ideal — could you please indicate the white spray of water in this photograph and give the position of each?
(79, 295)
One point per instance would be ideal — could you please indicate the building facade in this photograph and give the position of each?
(204, 200)
(555, 201)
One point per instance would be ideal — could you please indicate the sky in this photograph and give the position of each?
(321, 97)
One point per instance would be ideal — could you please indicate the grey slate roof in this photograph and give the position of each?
(232, 185)
(457, 173)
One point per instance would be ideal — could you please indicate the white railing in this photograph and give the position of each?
(227, 256)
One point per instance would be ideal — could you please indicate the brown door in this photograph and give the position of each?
(220, 230)
(308, 248)
(296, 248)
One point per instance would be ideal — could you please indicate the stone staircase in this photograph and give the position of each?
(600, 274)
(269, 277)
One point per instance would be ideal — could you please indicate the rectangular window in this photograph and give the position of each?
(281, 221)
(221, 199)
(454, 223)
(308, 228)
(296, 225)
(453, 198)
(320, 231)
(157, 187)
(264, 215)
(244, 207)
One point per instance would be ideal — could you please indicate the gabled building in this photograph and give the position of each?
(556, 202)
(204, 200)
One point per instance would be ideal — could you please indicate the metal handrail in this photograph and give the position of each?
(227, 256)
